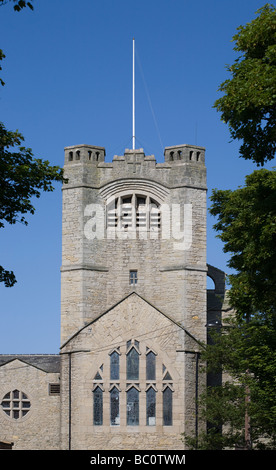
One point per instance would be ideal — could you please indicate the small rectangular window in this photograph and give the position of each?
(133, 277)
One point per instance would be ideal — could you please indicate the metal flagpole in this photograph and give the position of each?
(133, 96)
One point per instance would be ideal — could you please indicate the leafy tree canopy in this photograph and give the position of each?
(245, 353)
(246, 224)
(248, 105)
(18, 4)
(22, 177)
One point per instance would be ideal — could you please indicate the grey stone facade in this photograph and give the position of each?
(133, 276)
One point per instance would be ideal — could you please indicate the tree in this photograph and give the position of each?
(18, 4)
(22, 176)
(247, 226)
(246, 222)
(248, 105)
(243, 349)
(240, 410)
(244, 354)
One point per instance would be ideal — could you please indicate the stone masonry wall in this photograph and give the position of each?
(39, 429)
(88, 353)
(95, 272)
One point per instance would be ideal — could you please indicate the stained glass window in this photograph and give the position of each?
(114, 366)
(16, 404)
(167, 406)
(98, 406)
(150, 366)
(139, 375)
(133, 365)
(133, 407)
(151, 406)
(114, 407)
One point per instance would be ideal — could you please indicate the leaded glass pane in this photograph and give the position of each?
(167, 407)
(98, 407)
(133, 407)
(133, 277)
(14, 402)
(115, 407)
(133, 365)
(114, 366)
(98, 376)
(150, 366)
(151, 406)
(26, 404)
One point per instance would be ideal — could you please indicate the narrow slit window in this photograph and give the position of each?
(115, 407)
(114, 366)
(151, 406)
(133, 407)
(133, 365)
(98, 406)
(167, 406)
(150, 366)
(133, 277)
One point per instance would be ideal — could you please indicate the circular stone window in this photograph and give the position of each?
(16, 404)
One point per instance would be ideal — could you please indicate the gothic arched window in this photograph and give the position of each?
(98, 406)
(133, 406)
(151, 406)
(132, 375)
(114, 406)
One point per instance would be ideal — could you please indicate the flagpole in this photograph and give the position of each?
(133, 96)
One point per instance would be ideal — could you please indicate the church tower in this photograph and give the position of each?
(133, 296)
(133, 225)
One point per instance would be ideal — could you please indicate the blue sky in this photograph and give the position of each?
(68, 74)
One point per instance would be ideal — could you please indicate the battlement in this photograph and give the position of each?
(84, 153)
(176, 154)
(185, 154)
(132, 155)
(183, 165)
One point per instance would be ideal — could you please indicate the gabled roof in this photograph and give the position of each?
(46, 362)
(118, 303)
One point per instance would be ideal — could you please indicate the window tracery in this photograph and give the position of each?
(16, 404)
(132, 377)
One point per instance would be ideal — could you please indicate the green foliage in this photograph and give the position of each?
(247, 227)
(19, 4)
(245, 349)
(2, 56)
(244, 352)
(248, 105)
(22, 178)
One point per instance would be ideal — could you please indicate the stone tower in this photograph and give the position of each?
(126, 218)
(133, 310)
(133, 294)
